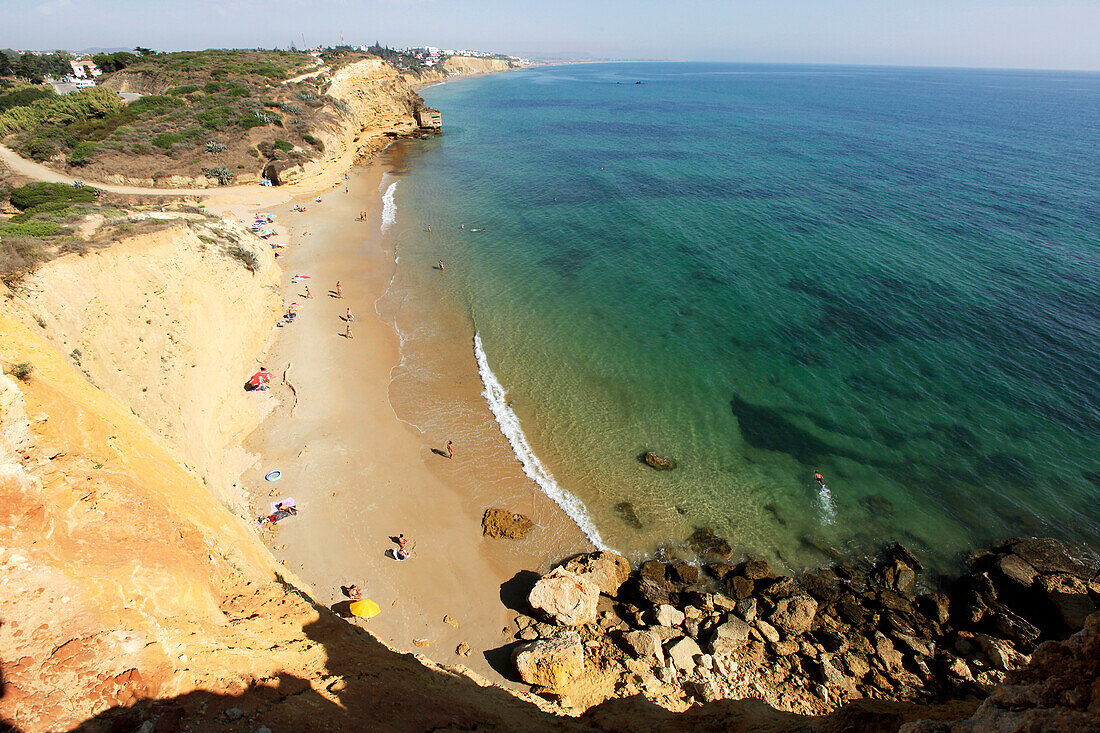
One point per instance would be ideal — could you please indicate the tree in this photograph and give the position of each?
(143, 52)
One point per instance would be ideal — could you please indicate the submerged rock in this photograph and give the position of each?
(708, 545)
(661, 463)
(503, 524)
(628, 515)
(566, 598)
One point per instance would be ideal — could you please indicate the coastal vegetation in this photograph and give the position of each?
(201, 111)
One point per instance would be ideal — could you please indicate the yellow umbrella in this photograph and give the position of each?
(364, 608)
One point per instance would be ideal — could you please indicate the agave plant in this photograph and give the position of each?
(214, 147)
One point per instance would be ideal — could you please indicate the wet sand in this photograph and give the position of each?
(360, 474)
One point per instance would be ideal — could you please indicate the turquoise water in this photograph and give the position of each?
(891, 276)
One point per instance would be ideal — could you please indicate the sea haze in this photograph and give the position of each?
(891, 276)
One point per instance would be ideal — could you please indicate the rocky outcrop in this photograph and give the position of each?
(467, 65)
(565, 598)
(550, 663)
(503, 524)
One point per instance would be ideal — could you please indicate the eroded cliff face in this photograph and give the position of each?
(475, 65)
(170, 324)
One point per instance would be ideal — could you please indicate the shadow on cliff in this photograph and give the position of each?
(366, 686)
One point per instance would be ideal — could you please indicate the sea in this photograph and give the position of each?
(890, 276)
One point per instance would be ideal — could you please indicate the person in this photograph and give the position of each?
(403, 551)
(819, 478)
(354, 592)
(282, 511)
(308, 295)
(429, 229)
(402, 541)
(347, 332)
(450, 449)
(348, 317)
(339, 290)
(441, 265)
(260, 379)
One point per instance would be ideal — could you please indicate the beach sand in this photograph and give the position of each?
(360, 475)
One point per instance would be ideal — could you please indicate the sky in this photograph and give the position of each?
(1036, 34)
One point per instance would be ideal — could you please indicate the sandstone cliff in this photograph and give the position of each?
(475, 65)
(170, 324)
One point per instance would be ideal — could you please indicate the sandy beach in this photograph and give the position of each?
(360, 475)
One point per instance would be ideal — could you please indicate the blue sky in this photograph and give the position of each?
(1061, 34)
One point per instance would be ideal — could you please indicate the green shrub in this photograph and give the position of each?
(40, 149)
(216, 118)
(157, 103)
(283, 145)
(23, 97)
(36, 194)
(166, 140)
(29, 229)
(83, 152)
(182, 90)
(314, 142)
(246, 257)
(212, 87)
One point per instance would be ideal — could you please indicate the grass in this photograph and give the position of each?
(245, 256)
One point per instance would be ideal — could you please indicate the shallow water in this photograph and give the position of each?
(888, 275)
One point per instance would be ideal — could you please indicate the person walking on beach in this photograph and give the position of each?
(347, 332)
(348, 317)
(308, 294)
(441, 265)
(339, 290)
(429, 229)
(450, 449)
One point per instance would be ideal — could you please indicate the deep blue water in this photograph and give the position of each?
(888, 275)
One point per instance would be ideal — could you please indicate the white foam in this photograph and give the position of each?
(828, 509)
(389, 208)
(508, 422)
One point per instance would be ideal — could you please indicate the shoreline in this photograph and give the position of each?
(361, 473)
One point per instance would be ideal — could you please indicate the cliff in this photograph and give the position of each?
(169, 323)
(475, 65)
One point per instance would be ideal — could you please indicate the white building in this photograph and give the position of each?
(82, 66)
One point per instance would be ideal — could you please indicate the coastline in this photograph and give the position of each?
(361, 473)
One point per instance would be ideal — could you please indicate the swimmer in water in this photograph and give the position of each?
(819, 478)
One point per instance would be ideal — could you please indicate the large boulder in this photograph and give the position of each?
(503, 524)
(564, 597)
(706, 544)
(667, 615)
(606, 569)
(683, 654)
(730, 636)
(550, 663)
(794, 615)
(644, 645)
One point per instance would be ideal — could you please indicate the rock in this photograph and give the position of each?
(643, 645)
(755, 568)
(550, 663)
(1015, 628)
(628, 515)
(1000, 653)
(693, 614)
(450, 620)
(653, 591)
(738, 586)
(718, 569)
(528, 633)
(707, 545)
(785, 648)
(682, 654)
(653, 569)
(1016, 570)
(729, 637)
(1051, 556)
(668, 616)
(463, 649)
(233, 713)
(502, 524)
(824, 589)
(783, 587)
(746, 609)
(835, 678)
(606, 569)
(832, 641)
(664, 633)
(913, 644)
(683, 572)
(566, 598)
(890, 657)
(1070, 597)
(935, 606)
(768, 631)
(958, 668)
(794, 615)
(659, 462)
(704, 690)
(856, 665)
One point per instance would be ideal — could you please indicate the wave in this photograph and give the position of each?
(389, 207)
(828, 509)
(509, 425)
